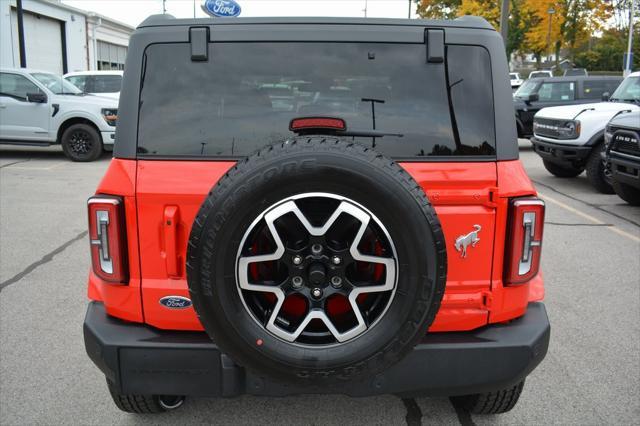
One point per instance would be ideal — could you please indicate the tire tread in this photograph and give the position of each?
(138, 404)
(401, 345)
(496, 402)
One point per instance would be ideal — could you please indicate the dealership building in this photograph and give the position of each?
(60, 38)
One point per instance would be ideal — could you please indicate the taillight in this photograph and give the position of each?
(303, 124)
(108, 238)
(524, 240)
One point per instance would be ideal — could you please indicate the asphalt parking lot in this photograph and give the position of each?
(591, 262)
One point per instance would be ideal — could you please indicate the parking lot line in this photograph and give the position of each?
(590, 218)
(54, 166)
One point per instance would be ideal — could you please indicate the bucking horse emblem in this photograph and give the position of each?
(470, 239)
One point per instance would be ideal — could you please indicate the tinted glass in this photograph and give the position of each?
(80, 81)
(528, 87)
(628, 91)
(16, 86)
(244, 96)
(472, 98)
(536, 74)
(612, 85)
(56, 83)
(106, 84)
(557, 91)
(593, 89)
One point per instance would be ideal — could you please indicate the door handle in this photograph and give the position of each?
(170, 225)
(3, 106)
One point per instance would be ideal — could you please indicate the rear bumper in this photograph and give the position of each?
(565, 155)
(143, 360)
(625, 168)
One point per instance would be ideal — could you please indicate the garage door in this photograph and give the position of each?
(43, 41)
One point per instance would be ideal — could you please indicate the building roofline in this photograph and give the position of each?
(83, 12)
(110, 20)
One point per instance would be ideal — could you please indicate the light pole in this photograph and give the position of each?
(504, 22)
(629, 64)
(551, 11)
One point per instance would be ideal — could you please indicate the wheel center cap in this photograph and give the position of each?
(317, 274)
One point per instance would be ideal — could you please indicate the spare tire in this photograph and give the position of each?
(316, 258)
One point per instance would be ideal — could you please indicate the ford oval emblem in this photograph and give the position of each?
(175, 302)
(221, 8)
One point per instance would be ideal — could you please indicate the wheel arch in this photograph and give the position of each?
(596, 139)
(76, 120)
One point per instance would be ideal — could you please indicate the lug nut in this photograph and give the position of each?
(336, 282)
(336, 260)
(316, 249)
(296, 282)
(316, 292)
(297, 260)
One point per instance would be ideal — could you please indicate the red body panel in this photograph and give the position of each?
(122, 301)
(168, 195)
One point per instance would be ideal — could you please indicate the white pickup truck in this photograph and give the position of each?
(40, 108)
(570, 138)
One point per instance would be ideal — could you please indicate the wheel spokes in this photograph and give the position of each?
(314, 312)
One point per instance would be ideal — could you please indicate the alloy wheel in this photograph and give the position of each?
(316, 269)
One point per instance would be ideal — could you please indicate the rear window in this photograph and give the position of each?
(557, 91)
(594, 89)
(106, 83)
(244, 96)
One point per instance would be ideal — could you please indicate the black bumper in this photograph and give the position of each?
(565, 155)
(625, 168)
(143, 360)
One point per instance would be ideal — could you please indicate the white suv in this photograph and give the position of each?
(570, 138)
(40, 108)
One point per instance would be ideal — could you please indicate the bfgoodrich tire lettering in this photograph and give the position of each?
(316, 165)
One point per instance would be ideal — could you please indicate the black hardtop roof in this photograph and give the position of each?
(578, 77)
(461, 22)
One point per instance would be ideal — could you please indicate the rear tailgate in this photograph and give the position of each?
(169, 194)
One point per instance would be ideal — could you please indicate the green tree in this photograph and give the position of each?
(582, 18)
(605, 53)
(438, 9)
(572, 24)
(488, 9)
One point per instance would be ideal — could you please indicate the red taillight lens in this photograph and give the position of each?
(108, 238)
(524, 240)
(310, 123)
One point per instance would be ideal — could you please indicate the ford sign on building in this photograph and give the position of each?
(221, 8)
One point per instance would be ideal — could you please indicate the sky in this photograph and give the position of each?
(132, 12)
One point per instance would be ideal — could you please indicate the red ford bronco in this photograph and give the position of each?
(315, 206)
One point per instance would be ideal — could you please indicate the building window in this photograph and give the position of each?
(110, 56)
